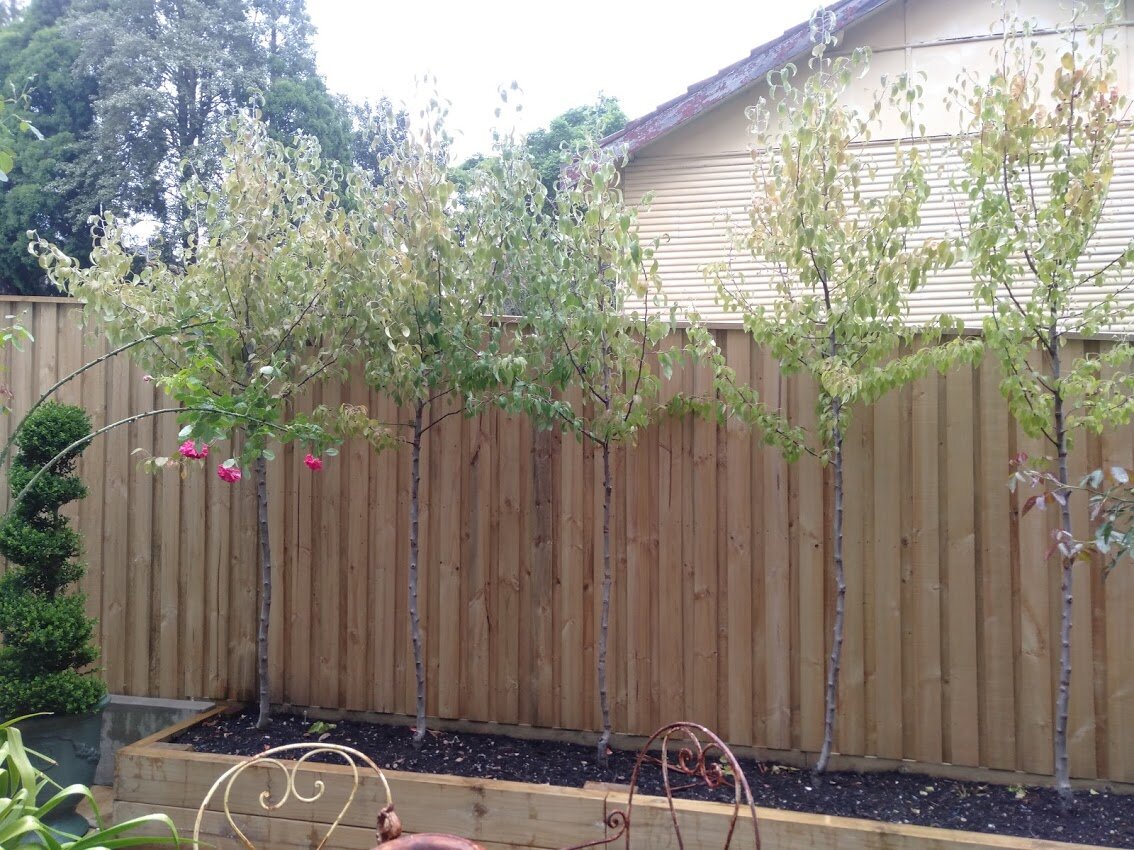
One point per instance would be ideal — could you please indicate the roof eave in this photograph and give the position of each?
(730, 81)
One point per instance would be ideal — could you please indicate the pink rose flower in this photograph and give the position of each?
(189, 449)
(231, 474)
(313, 463)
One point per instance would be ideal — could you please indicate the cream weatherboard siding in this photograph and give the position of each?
(699, 212)
(701, 183)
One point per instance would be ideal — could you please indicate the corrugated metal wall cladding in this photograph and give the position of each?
(697, 200)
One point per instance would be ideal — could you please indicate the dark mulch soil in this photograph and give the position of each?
(1097, 817)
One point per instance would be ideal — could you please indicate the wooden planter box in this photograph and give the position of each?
(155, 776)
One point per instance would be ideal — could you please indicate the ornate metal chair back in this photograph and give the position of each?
(687, 755)
(286, 762)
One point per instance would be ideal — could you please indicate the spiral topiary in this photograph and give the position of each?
(47, 637)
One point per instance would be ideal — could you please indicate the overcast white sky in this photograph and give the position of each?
(561, 54)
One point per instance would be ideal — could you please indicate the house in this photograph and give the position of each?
(693, 152)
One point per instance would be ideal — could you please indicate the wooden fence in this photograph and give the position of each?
(722, 603)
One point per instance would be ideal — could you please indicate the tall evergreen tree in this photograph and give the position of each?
(1039, 145)
(130, 96)
(169, 73)
(285, 32)
(302, 104)
(51, 188)
(9, 11)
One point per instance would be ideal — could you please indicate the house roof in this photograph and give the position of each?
(705, 95)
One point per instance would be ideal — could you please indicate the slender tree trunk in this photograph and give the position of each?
(1062, 698)
(260, 467)
(415, 618)
(604, 622)
(273, 53)
(831, 696)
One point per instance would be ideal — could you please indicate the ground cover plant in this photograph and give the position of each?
(1101, 817)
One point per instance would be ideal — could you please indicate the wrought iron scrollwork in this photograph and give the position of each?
(691, 755)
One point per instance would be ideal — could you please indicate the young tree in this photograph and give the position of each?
(843, 260)
(591, 318)
(432, 276)
(258, 307)
(1038, 150)
(593, 321)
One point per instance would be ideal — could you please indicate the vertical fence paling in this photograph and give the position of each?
(721, 602)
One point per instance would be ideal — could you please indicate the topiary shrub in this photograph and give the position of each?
(47, 637)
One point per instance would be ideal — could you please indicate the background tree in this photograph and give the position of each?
(377, 129)
(295, 99)
(464, 175)
(162, 79)
(432, 276)
(53, 187)
(169, 74)
(9, 11)
(258, 307)
(1038, 150)
(285, 32)
(844, 262)
(552, 148)
(295, 105)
